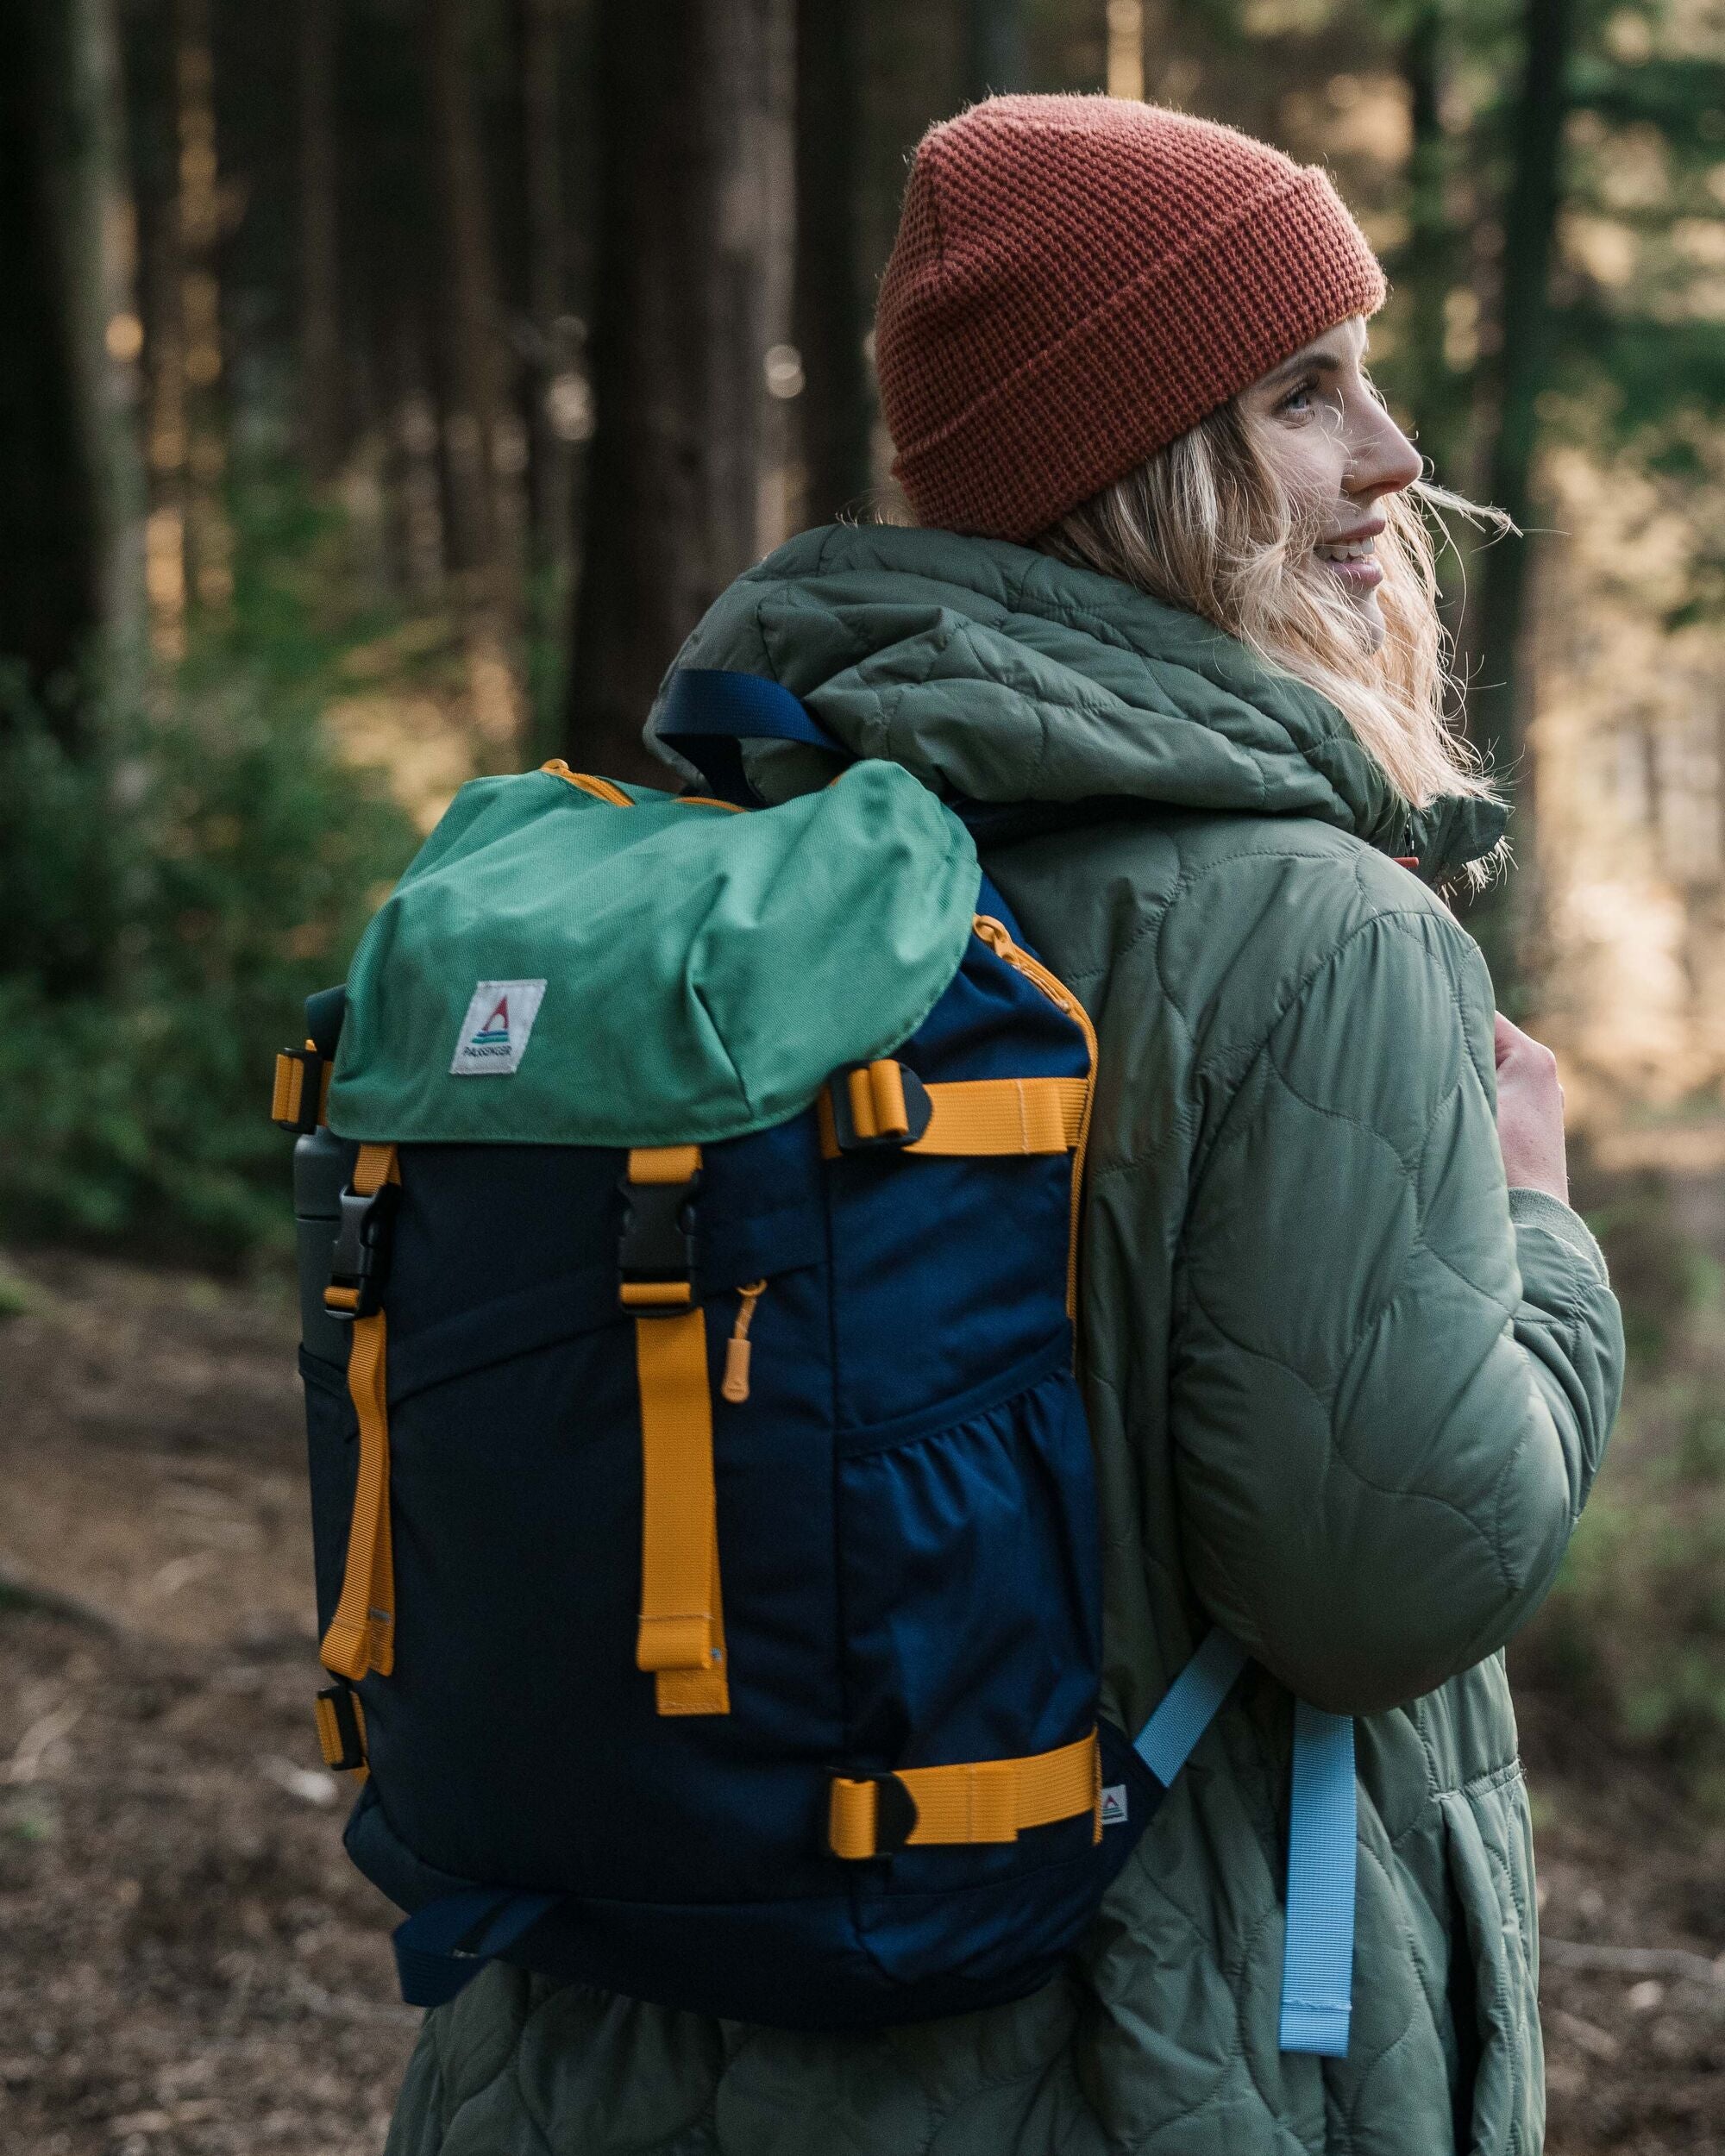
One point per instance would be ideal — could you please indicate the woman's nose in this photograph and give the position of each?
(1383, 460)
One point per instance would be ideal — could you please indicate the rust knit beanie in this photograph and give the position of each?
(1078, 280)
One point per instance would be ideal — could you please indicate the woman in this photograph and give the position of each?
(1349, 1359)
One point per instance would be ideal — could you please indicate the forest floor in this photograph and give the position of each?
(188, 1965)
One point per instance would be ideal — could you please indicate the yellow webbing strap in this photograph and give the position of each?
(663, 1163)
(681, 1635)
(362, 1634)
(970, 1116)
(1004, 1115)
(983, 1801)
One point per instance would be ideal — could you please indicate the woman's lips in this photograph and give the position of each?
(1349, 555)
(1362, 574)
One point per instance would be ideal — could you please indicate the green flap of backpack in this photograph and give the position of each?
(555, 969)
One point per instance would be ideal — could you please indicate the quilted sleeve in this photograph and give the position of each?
(1392, 1379)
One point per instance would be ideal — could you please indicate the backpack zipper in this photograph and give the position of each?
(993, 934)
(736, 1349)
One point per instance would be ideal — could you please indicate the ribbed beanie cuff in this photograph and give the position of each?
(1078, 281)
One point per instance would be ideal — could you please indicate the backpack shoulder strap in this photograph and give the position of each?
(1323, 1835)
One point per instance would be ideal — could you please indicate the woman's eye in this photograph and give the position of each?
(1299, 398)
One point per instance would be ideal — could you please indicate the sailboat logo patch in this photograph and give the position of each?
(494, 1033)
(1114, 1804)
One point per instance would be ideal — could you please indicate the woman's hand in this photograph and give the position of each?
(1530, 1129)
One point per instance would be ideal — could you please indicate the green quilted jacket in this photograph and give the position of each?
(1348, 1396)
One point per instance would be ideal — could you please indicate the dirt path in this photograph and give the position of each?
(188, 1965)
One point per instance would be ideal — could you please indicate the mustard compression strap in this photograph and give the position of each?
(968, 1115)
(681, 1635)
(362, 1634)
(982, 1800)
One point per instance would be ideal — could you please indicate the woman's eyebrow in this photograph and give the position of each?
(1301, 363)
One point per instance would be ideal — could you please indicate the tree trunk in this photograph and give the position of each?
(1427, 261)
(830, 321)
(1126, 48)
(202, 444)
(994, 47)
(470, 314)
(687, 116)
(481, 536)
(68, 337)
(1499, 705)
(320, 315)
(539, 55)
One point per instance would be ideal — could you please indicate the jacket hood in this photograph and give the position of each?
(996, 673)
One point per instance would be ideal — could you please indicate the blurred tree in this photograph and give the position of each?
(538, 55)
(320, 309)
(469, 313)
(188, 541)
(200, 215)
(68, 336)
(1498, 703)
(1125, 23)
(830, 315)
(1426, 266)
(483, 543)
(993, 47)
(687, 107)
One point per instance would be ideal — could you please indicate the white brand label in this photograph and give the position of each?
(494, 1033)
(1114, 1804)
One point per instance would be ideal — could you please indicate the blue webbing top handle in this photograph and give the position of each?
(708, 714)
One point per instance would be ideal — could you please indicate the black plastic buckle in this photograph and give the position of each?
(919, 1113)
(657, 1247)
(347, 1718)
(310, 1091)
(359, 1257)
(896, 1812)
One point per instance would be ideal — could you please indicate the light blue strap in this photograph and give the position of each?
(1323, 1832)
(1188, 1706)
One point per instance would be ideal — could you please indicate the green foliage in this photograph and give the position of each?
(1635, 1627)
(167, 899)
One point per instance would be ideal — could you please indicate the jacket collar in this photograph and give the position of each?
(997, 673)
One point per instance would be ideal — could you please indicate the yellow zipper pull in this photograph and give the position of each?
(735, 1386)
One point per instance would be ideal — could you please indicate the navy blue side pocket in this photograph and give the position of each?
(332, 1432)
(972, 1583)
(972, 1632)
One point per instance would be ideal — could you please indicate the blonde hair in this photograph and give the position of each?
(1205, 524)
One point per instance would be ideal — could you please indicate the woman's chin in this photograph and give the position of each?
(1371, 620)
(1362, 608)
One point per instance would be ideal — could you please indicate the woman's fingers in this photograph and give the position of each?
(1530, 1128)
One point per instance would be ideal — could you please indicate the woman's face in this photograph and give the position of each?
(1338, 453)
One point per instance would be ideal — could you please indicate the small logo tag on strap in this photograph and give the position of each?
(1114, 1804)
(495, 1033)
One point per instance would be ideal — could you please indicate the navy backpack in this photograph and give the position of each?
(706, 1529)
